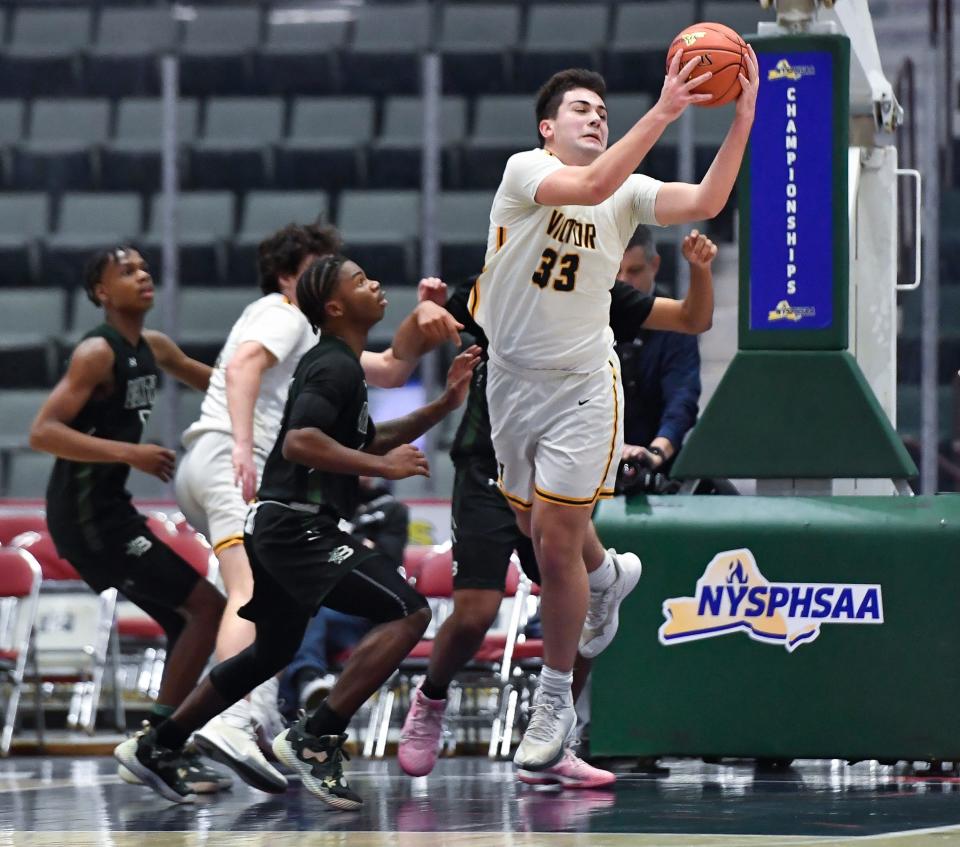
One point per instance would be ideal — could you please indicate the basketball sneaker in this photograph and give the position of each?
(543, 743)
(319, 761)
(570, 772)
(166, 771)
(603, 613)
(420, 736)
(231, 739)
(203, 780)
(265, 708)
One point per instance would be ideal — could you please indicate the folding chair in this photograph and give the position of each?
(13, 523)
(20, 580)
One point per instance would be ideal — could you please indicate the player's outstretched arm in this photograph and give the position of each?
(171, 359)
(591, 184)
(90, 369)
(693, 314)
(399, 431)
(682, 202)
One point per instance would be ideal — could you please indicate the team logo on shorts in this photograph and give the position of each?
(138, 546)
(340, 554)
(733, 596)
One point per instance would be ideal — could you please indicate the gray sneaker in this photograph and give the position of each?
(551, 722)
(603, 613)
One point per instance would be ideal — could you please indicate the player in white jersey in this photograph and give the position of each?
(560, 221)
(229, 443)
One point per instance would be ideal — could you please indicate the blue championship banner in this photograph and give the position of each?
(791, 194)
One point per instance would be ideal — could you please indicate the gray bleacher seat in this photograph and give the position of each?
(326, 147)
(299, 53)
(188, 410)
(379, 228)
(42, 57)
(265, 212)
(24, 217)
(129, 42)
(28, 475)
(12, 119)
(385, 55)
(234, 150)
(464, 221)
(217, 52)
(401, 300)
(88, 222)
(504, 124)
(740, 15)
(642, 34)
(205, 219)
(475, 41)
(567, 35)
(59, 152)
(206, 314)
(30, 321)
(18, 408)
(395, 156)
(132, 158)
(623, 111)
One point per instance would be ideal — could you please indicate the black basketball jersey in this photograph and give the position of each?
(91, 495)
(328, 393)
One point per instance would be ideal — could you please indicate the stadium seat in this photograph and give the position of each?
(132, 158)
(464, 221)
(379, 228)
(385, 55)
(88, 222)
(217, 52)
(299, 55)
(18, 408)
(205, 219)
(623, 111)
(124, 60)
(395, 157)
(42, 57)
(28, 474)
(59, 153)
(327, 144)
(13, 114)
(568, 35)
(740, 15)
(30, 321)
(206, 315)
(265, 212)
(504, 124)
(642, 33)
(401, 300)
(476, 43)
(12, 523)
(234, 150)
(24, 218)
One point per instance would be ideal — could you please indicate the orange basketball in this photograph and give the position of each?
(721, 51)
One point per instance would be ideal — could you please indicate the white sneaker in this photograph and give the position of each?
(551, 722)
(265, 708)
(231, 739)
(316, 691)
(603, 613)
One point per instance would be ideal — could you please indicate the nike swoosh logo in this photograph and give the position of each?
(581, 402)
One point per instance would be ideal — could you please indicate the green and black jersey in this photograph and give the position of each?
(90, 496)
(328, 393)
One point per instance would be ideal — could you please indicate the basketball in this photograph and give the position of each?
(721, 51)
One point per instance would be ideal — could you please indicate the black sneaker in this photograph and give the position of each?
(319, 761)
(168, 772)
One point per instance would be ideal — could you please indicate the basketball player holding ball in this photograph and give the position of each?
(560, 221)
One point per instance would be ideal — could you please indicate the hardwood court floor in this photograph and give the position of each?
(471, 802)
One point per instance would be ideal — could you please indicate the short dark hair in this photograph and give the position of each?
(315, 287)
(643, 237)
(282, 253)
(97, 264)
(551, 94)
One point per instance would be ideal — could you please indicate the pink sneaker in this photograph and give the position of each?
(420, 737)
(570, 772)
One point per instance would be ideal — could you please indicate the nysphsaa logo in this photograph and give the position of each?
(734, 596)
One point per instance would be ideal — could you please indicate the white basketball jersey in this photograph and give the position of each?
(281, 328)
(543, 298)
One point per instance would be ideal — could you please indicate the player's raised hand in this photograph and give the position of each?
(244, 472)
(433, 289)
(698, 250)
(405, 461)
(153, 459)
(749, 85)
(679, 91)
(458, 377)
(436, 325)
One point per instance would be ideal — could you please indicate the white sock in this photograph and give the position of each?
(604, 576)
(557, 684)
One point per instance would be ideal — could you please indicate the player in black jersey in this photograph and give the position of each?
(299, 556)
(485, 531)
(92, 422)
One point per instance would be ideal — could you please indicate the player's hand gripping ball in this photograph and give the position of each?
(721, 51)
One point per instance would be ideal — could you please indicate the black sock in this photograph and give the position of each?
(325, 721)
(158, 714)
(432, 691)
(172, 735)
